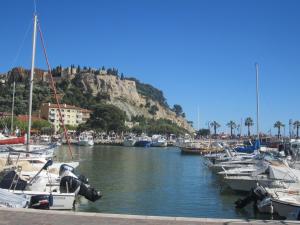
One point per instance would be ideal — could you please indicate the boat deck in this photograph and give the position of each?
(33, 217)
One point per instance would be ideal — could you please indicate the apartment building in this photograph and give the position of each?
(71, 115)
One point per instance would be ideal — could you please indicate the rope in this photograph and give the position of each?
(54, 90)
(21, 45)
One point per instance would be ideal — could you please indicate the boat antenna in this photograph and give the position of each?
(257, 102)
(34, 7)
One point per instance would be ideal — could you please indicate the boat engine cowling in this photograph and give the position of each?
(41, 201)
(65, 167)
(69, 184)
(72, 184)
(67, 170)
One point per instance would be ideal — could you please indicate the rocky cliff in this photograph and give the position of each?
(123, 93)
(128, 94)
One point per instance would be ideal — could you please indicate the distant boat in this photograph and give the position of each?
(11, 140)
(85, 139)
(249, 148)
(129, 141)
(143, 141)
(45, 139)
(159, 141)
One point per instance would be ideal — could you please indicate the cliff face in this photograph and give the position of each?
(123, 93)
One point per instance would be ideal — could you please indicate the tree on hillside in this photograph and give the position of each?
(107, 117)
(296, 126)
(249, 123)
(177, 109)
(215, 125)
(231, 124)
(278, 125)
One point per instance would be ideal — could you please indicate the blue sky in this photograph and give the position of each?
(201, 53)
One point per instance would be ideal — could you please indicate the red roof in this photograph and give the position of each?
(24, 118)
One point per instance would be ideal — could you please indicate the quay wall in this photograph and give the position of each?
(31, 217)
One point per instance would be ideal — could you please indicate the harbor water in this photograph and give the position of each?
(154, 181)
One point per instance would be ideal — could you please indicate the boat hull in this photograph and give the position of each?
(129, 143)
(159, 144)
(13, 141)
(142, 144)
(244, 183)
(288, 210)
(192, 151)
(86, 143)
(61, 201)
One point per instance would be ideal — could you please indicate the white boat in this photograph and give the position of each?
(60, 188)
(159, 141)
(60, 201)
(85, 139)
(129, 141)
(45, 139)
(11, 200)
(278, 177)
(285, 202)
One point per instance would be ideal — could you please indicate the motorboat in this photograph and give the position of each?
(11, 200)
(129, 141)
(85, 139)
(11, 140)
(276, 177)
(143, 141)
(45, 139)
(61, 188)
(158, 141)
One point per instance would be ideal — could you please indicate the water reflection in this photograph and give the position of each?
(153, 181)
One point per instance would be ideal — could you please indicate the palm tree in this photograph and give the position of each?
(249, 123)
(278, 125)
(215, 125)
(231, 124)
(297, 125)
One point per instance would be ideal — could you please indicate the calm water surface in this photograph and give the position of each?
(153, 181)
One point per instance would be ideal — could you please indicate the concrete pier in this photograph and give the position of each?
(44, 217)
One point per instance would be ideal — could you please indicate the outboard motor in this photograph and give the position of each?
(89, 193)
(72, 184)
(69, 184)
(256, 194)
(11, 180)
(41, 201)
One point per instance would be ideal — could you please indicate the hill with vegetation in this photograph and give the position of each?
(93, 89)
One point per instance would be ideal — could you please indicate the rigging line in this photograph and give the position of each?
(54, 89)
(21, 45)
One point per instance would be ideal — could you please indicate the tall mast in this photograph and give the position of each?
(257, 103)
(31, 80)
(198, 117)
(12, 108)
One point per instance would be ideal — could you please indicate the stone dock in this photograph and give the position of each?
(44, 217)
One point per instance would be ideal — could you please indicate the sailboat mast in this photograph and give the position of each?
(257, 102)
(12, 108)
(31, 80)
(198, 118)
